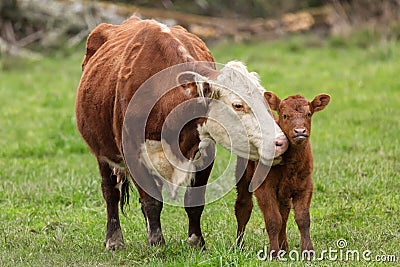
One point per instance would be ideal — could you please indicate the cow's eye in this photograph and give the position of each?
(285, 116)
(309, 114)
(238, 106)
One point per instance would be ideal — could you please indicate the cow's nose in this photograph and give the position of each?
(300, 130)
(281, 144)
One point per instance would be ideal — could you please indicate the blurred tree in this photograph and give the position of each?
(8, 10)
(9, 13)
(229, 8)
(358, 12)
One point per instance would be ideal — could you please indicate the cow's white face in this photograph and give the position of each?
(238, 116)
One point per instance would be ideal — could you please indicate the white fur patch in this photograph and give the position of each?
(184, 52)
(230, 74)
(120, 166)
(118, 186)
(164, 28)
(158, 158)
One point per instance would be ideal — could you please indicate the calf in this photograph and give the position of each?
(287, 184)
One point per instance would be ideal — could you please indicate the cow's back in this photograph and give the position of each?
(118, 60)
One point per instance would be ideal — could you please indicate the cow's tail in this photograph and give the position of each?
(125, 188)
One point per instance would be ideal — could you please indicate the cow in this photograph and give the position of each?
(154, 136)
(289, 183)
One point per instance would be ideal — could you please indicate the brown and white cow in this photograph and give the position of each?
(162, 137)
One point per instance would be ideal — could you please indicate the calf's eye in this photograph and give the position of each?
(285, 116)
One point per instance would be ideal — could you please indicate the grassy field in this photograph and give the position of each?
(52, 212)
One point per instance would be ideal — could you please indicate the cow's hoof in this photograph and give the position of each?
(156, 240)
(196, 241)
(115, 242)
(114, 245)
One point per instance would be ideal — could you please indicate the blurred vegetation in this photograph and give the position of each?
(228, 8)
(354, 10)
(30, 28)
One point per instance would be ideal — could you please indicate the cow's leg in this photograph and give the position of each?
(266, 198)
(284, 209)
(111, 194)
(301, 203)
(151, 208)
(243, 208)
(194, 206)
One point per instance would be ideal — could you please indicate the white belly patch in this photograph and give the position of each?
(159, 159)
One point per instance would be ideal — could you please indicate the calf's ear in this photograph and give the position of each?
(273, 100)
(320, 102)
(195, 84)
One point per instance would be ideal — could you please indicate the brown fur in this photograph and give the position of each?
(288, 184)
(119, 58)
(114, 55)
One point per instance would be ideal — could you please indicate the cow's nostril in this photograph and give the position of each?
(279, 143)
(300, 130)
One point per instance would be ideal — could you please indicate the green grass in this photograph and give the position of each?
(53, 214)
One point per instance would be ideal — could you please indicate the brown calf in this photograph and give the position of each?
(287, 184)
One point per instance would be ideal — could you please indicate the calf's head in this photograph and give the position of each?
(295, 113)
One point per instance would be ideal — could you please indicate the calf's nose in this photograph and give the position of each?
(300, 130)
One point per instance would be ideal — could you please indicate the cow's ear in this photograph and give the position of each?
(273, 100)
(320, 102)
(195, 84)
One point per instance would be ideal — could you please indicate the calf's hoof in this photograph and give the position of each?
(115, 241)
(196, 241)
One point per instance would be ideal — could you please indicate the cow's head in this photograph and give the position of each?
(295, 114)
(238, 117)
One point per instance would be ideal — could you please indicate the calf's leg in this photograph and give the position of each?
(111, 195)
(284, 210)
(301, 203)
(266, 198)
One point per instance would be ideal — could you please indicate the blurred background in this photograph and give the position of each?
(29, 28)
